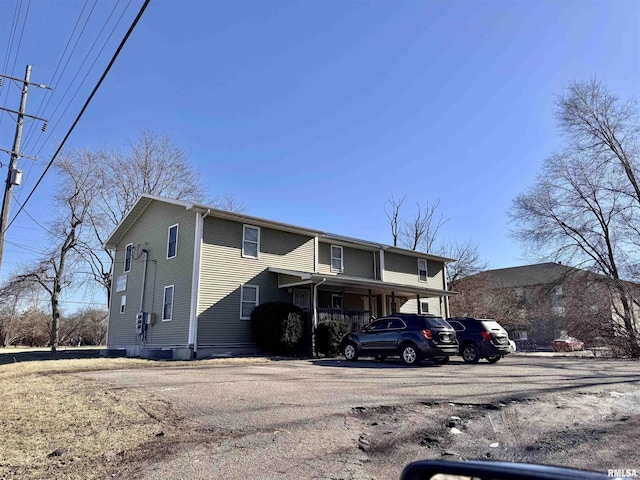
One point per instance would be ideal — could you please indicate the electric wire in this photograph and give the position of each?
(54, 82)
(12, 34)
(34, 220)
(24, 24)
(82, 82)
(86, 104)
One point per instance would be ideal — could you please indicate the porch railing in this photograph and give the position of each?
(354, 319)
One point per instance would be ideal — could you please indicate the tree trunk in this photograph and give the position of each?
(55, 317)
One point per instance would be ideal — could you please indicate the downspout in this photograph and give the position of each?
(196, 281)
(144, 278)
(446, 287)
(315, 313)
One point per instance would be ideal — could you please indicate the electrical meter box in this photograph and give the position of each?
(139, 323)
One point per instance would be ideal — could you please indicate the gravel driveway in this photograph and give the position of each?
(299, 419)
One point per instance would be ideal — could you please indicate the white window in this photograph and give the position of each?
(422, 270)
(336, 259)
(250, 241)
(424, 307)
(172, 241)
(127, 257)
(123, 303)
(167, 308)
(248, 300)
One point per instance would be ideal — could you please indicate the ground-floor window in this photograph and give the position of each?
(248, 300)
(167, 309)
(424, 307)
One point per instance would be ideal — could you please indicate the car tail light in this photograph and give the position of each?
(485, 335)
(427, 334)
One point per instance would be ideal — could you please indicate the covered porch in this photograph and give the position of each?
(354, 300)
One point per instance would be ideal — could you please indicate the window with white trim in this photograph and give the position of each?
(127, 257)
(337, 264)
(123, 303)
(172, 241)
(424, 307)
(250, 241)
(249, 295)
(422, 270)
(167, 303)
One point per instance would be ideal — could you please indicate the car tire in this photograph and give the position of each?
(441, 360)
(410, 354)
(493, 359)
(350, 351)
(470, 354)
(381, 358)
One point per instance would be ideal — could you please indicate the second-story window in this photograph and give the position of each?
(337, 264)
(250, 241)
(172, 241)
(422, 270)
(127, 258)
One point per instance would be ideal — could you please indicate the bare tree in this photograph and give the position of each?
(583, 206)
(467, 261)
(153, 164)
(420, 232)
(52, 271)
(392, 210)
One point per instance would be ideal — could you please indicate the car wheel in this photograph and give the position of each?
(470, 354)
(350, 351)
(493, 359)
(381, 358)
(409, 354)
(441, 360)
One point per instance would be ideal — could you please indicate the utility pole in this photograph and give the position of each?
(14, 175)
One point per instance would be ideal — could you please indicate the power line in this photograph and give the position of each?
(86, 104)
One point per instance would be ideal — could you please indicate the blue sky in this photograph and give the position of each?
(316, 112)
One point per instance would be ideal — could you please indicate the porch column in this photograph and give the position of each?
(370, 309)
(393, 302)
(418, 300)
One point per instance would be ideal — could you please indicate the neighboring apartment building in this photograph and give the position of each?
(186, 277)
(541, 302)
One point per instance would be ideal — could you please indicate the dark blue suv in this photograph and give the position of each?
(480, 338)
(411, 337)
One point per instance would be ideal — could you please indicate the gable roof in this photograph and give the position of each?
(529, 275)
(146, 199)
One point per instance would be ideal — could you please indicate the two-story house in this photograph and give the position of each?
(186, 277)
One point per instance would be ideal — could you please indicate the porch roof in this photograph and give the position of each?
(292, 278)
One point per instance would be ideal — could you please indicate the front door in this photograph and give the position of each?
(302, 298)
(393, 305)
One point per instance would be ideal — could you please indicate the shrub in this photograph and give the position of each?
(277, 326)
(328, 336)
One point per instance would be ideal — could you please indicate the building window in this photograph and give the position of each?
(422, 270)
(127, 258)
(248, 300)
(336, 259)
(336, 300)
(167, 309)
(123, 303)
(424, 307)
(250, 241)
(172, 241)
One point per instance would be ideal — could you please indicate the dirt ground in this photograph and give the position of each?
(57, 424)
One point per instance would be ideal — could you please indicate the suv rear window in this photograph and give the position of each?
(491, 325)
(435, 322)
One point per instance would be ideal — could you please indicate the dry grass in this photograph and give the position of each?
(56, 426)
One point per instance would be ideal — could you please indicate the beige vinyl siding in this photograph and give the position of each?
(223, 271)
(356, 262)
(151, 233)
(403, 269)
(411, 305)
